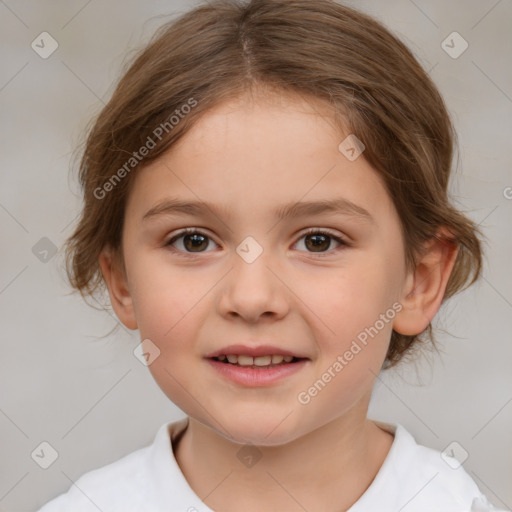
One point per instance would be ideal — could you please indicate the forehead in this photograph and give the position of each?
(252, 155)
(266, 125)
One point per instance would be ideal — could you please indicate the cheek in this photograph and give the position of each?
(169, 305)
(353, 298)
(165, 298)
(353, 333)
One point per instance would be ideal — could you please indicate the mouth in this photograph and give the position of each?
(257, 371)
(259, 362)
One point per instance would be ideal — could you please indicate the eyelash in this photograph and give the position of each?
(316, 231)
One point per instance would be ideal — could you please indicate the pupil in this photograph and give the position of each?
(318, 240)
(195, 239)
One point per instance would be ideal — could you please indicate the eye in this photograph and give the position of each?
(319, 240)
(192, 240)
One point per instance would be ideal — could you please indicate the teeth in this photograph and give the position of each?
(244, 360)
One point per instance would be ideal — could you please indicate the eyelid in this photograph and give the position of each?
(326, 231)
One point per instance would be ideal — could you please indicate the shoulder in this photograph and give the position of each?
(421, 479)
(447, 477)
(124, 483)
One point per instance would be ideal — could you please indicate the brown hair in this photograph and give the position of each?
(324, 50)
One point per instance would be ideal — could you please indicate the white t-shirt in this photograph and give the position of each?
(413, 478)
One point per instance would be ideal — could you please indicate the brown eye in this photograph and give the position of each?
(317, 241)
(191, 241)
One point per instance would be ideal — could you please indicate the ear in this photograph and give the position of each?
(115, 276)
(425, 285)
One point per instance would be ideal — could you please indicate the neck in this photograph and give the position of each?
(327, 469)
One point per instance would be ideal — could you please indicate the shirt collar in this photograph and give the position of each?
(174, 492)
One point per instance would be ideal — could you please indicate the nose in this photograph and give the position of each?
(253, 290)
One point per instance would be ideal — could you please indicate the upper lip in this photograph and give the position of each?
(260, 350)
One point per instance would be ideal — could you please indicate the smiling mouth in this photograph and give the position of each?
(260, 362)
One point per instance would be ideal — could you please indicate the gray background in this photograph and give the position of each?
(90, 398)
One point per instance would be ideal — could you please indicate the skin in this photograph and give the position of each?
(250, 156)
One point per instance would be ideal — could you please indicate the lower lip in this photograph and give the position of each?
(248, 376)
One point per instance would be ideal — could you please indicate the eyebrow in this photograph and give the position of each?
(173, 206)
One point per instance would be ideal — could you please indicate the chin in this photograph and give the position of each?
(261, 431)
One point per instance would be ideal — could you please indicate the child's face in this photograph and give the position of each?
(312, 297)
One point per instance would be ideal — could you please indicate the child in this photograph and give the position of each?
(265, 200)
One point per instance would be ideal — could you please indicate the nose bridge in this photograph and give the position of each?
(252, 288)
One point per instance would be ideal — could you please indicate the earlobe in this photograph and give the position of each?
(425, 286)
(118, 290)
